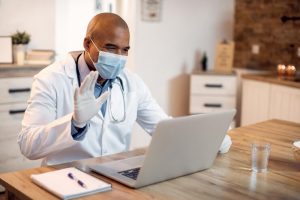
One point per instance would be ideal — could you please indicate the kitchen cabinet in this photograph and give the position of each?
(284, 103)
(15, 86)
(211, 92)
(14, 94)
(265, 100)
(255, 100)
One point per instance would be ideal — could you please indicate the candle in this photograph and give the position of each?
(281, 70)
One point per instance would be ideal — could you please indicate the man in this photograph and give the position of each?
(86, 105)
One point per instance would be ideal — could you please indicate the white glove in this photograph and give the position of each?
(86, 105)
(225, 146)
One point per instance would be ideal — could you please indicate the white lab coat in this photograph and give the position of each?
(46, 127)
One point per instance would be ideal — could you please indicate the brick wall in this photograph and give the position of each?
(258, 22)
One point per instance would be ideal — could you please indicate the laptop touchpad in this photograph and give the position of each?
(125, 164)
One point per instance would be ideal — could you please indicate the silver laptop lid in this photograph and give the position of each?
(184, 145)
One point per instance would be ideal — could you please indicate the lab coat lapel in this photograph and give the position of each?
(70, 69)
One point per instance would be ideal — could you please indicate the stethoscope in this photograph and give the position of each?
(119, 82)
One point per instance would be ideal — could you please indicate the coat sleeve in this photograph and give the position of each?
(149, 113)
(42, 132)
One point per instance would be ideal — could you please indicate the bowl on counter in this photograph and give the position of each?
(296, 150)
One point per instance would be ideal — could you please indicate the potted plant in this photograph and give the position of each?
(20, 41)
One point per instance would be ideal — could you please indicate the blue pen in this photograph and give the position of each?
(71, 176)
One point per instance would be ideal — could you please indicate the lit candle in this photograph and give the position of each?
(281, 69)
(291, 70)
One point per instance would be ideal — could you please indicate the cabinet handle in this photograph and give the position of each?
(12, 112)
(213, 105)
(213, 85)
(18, 90)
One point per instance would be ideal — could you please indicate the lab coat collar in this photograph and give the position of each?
(83, 67)
(70, 65)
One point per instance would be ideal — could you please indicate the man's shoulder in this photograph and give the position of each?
(56, 70)
(130, 75)
(131, 80)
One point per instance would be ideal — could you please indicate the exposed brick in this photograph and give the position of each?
(259, 22)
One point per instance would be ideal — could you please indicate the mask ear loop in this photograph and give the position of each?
(94, 44)
(90, 54)
(91, 59)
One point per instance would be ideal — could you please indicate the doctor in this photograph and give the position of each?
(86, 105)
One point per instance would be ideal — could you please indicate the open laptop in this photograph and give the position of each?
(179, 146)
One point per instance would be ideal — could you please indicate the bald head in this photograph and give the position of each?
(106, 32)
(104, 22)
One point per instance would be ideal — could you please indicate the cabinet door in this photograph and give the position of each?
(213, 85)
(285, 103)
(206, 104)
(15, 89)
(255, 102)
(11, 159)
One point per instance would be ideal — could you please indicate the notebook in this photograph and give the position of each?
(70, 183)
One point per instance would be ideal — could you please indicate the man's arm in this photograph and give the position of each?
(42, 132)
(149, 113)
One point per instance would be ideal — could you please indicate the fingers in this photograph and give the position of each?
(87, 82)
(100, 100)
(95, 78)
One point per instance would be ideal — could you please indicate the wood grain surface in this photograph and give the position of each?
(273, 78)
(229, 178)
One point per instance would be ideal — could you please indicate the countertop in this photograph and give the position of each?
(13, 70)
(273, 78)
(213, 72)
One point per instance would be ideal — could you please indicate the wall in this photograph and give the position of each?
(163, 53)
(71, 20)
(259, 23)
(33, 16)
(166, 52)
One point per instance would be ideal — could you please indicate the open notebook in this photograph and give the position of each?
(70, 183)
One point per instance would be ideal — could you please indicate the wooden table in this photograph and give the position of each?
(229, 178)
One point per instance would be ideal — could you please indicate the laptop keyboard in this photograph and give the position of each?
(131, 173)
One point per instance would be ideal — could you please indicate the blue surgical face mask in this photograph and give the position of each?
(109, 65)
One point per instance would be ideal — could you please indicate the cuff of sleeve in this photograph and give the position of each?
(78, 134)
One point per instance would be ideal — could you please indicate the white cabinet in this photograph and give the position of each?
(14, 94)
(284, 103)
(262, 101)
(255, 100)
(212, 92)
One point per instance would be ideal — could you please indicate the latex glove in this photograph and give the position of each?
(225, 146)
(86, 106)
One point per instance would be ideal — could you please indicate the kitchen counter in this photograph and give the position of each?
(273, 78)
(213, 72)
(13, 70)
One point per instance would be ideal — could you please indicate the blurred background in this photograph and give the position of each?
(195, 56)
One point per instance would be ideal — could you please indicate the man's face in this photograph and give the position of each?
(112, 40)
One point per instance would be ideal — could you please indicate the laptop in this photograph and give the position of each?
(179, 146)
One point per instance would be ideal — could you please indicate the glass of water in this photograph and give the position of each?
(260, 156)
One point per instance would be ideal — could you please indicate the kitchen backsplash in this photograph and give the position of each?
(267, 33)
